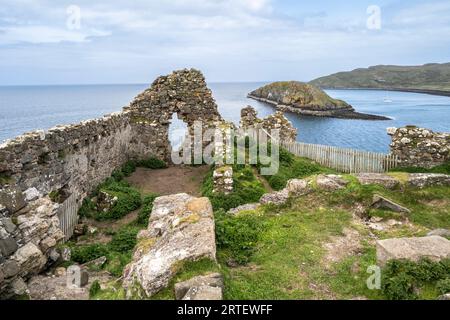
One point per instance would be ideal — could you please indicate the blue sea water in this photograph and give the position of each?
(26, 108)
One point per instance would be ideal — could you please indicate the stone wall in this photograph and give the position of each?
(419, 147)
(276, 121)
(184, 93)
(39, 170)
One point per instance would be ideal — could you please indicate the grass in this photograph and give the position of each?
(287, 259)
(444, 169)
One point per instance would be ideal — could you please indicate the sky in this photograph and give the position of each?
(94, 42)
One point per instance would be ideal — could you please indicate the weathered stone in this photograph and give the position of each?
(298, 187)
(423, 180)
(419, 147)
(244, 207)
(12, 199)
(210, 280)
(9, 226)
(378, 178)
(439, 232)
(331, 182)
(30, 259)
(106, 201)
(77, 277)
(60, 272)
(276, 198)
(32, 194)
(223, 180)
(435, 248)
(181, 228)
(380, 202)
(8, 246)
(204, 293)
(18, 286)
(445, 297)
(4, 212)
(10, 268)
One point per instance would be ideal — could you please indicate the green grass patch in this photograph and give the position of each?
(443, 168)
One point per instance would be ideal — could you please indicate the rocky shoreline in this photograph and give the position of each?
(340, 113)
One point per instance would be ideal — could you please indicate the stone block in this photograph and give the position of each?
(435, 248)
(210, 280)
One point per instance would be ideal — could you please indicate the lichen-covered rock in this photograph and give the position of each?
(439, 232)
(40, 225)
(378, 178)
(423, 180)
(298, 187)
(435, 248)
(331, 182)
(181, 228)
(244, 207)
(214, 280)
(12, 199)
(30, 260)
(203, 293)
(276, 198)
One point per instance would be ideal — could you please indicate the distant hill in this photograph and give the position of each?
(307, 99)
(430, 78)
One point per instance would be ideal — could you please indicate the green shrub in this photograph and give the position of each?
(128, 168)
(443, 168)
(87, 209)
(402, 278)
(94, 289)
(147, 206)
(129, 199)
(153, 163)
(443, 286)
(85, 253)
(124, 240)
(238, 234)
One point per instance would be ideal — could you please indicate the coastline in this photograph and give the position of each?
(421, 91)
(344, 113)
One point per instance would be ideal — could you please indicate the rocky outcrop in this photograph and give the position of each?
(379, 179)
(331, 182)
(181, 228)
(306, 99)
(276, 198)
(439, 232)
(435, 248)
(207, 287)
(419, 147)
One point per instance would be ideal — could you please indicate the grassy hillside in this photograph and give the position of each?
(429, 77)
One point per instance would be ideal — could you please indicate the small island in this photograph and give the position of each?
(306, 99)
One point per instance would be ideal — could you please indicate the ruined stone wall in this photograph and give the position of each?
(184, 93)
(39, 170)
(419, 147)
(276, 121)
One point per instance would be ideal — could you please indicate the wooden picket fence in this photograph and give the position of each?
(342, 159)
(68, 216)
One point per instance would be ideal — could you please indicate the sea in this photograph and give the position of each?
(27, 108)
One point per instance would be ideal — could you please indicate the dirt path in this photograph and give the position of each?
(263, 180)
(180, 179)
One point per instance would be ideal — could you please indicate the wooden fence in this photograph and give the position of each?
(343, 160)
(68, 216)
